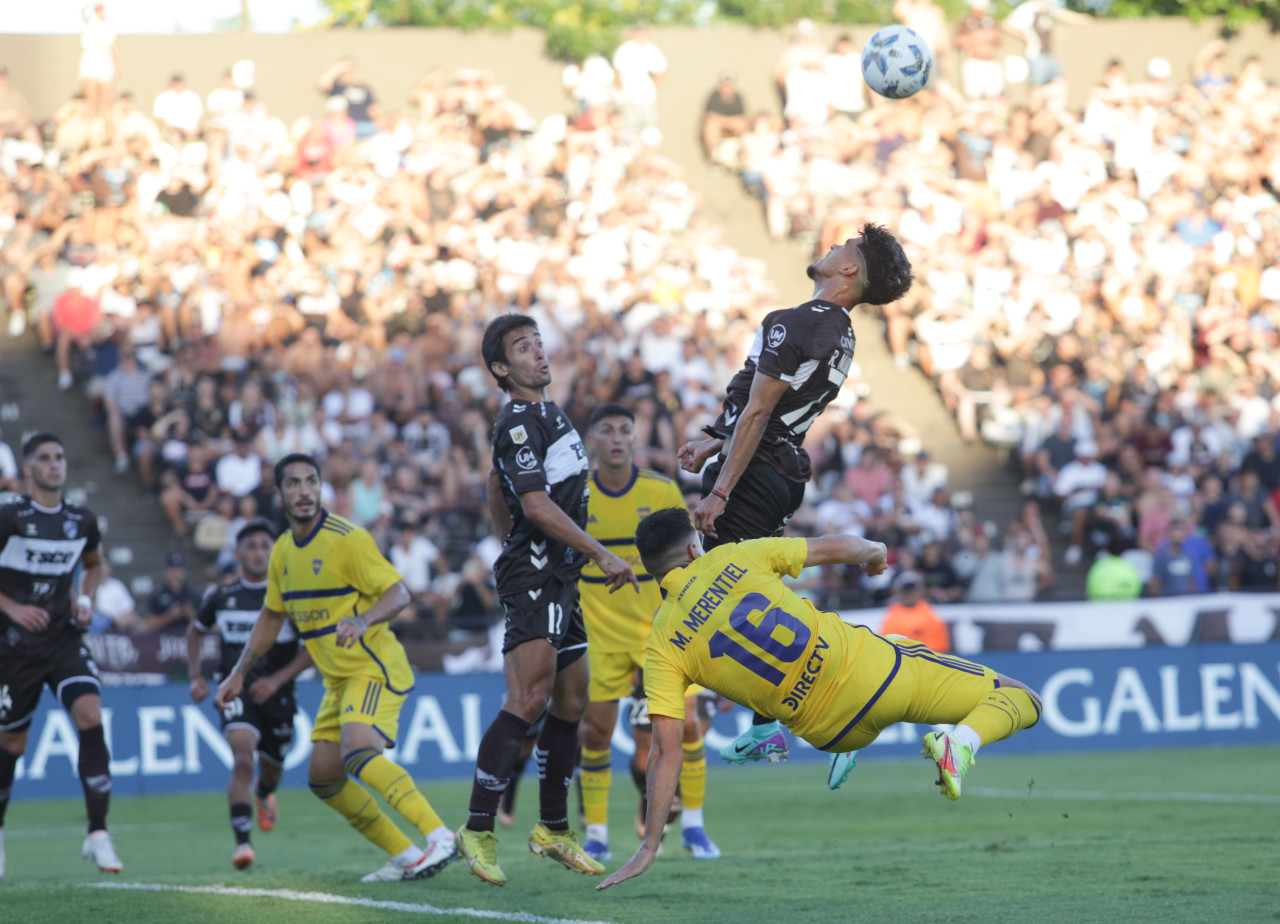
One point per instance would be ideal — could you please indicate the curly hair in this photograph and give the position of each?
(889, 273)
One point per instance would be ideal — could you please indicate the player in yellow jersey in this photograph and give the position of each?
(328, 578)
(728, 622)
(618, 630)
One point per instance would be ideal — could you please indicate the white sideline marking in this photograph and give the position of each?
(329, 899)
(1098, 795)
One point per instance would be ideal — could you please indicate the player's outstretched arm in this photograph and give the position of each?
(393, 600)
(766, 391)
(847, 550)
(666, 757)
(260, 641)
(554, 522)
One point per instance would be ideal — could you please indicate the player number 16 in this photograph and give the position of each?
(761, 635)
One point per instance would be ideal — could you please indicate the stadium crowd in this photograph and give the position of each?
(1099, 289)
(229, 288)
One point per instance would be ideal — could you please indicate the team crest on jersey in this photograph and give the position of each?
(316, 565)
(643, 512)
(526, 459)
(31, 529)
(518, 435)
(777, 334)
(70, 528)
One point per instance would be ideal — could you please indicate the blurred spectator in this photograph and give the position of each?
(174, 602)
(239, 472)
(1254, 567)
(114, 609)
(724, 120)
(941, 583)
(1183, 564)
(978, 39)
(125, 394)
(911, 615)
(1113, 577)
(803, 50)
(179, 108)
(640, 66)
(923, 476)
(75, 318)
(929, 21)
(1033, 21)
(846, 88)
(188, 490)
(10, 475)
(416, 558)
(342, 80)
(99, 61)
(589, 82)
(1076, 487)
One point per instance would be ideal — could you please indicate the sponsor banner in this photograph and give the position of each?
(1206, 618)
(1203, 695)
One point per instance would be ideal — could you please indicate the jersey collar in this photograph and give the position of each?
(324, 515)
(44, 509)
(635, 473)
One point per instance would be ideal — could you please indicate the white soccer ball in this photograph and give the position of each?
(896, 62)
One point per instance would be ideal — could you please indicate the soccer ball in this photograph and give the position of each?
(896, 62)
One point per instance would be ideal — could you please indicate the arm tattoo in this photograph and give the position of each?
(247, 660)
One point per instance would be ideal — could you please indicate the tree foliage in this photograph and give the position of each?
(575, 28)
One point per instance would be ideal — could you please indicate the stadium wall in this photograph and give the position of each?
(44, 67)
(1115, 699)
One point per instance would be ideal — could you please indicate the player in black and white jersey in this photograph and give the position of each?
(538, 498)
(797, 363)
(262, 718)
(50, 566)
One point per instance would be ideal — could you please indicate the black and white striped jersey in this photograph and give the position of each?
(810, 347)
(231, 610)
(536, 448)
(40, 549)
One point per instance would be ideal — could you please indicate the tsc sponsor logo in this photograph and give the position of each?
(49, 558)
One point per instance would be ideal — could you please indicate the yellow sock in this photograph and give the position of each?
(396, 786)
(597, 777)
(1003, 712)
(362, 813)
(693, 776)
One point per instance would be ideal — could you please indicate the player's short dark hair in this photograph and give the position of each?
(35, 441)
(611, 409)
(493, 349)
(888, 270)
(256, 525)
(289, 460)
(662, 535)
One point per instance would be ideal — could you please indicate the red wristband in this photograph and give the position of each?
(720, 494)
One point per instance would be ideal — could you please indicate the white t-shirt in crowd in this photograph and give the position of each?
(636, 63)
(414, 562)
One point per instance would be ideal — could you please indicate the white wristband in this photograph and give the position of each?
(85, 601)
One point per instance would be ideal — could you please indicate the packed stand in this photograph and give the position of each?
(1098, 288)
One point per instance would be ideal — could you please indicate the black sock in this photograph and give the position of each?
(499, 751)
(95, 776)
(8, 764)
(555, 753)
(262, 791)
(241, 821)
(508, 802)
(758, 719)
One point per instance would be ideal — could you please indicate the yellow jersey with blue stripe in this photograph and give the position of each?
(730, 624)
(619, 622)
(337, 571)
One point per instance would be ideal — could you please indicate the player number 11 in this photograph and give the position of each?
(761, 635)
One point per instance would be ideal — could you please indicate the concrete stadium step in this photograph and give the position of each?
(137, 537)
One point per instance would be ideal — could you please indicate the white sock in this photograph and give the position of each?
(967, 736)
(598, 833)
(409, 856)
(690, 818)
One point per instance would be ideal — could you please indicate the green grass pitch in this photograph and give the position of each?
(1154, 836)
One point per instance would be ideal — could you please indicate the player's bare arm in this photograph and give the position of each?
(666, 757)
(32, 618)
(498, 506)
(90, 578)
(350, 628)
(556, 524)
(264, 634)
(199, 686)
(766, 391)
(846, 550)
(266, 687)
